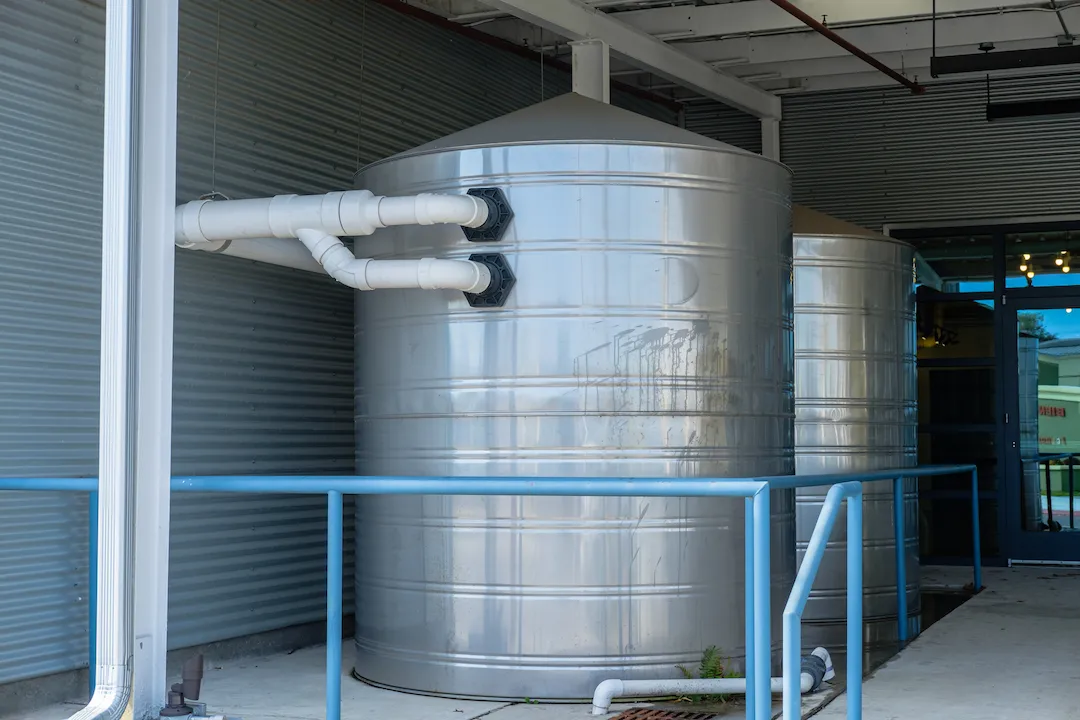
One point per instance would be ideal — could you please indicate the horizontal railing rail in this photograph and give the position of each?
(755, 491)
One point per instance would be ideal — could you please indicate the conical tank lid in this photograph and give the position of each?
(808, 222)
(571, 118)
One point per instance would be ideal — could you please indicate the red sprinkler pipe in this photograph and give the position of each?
(822, 29)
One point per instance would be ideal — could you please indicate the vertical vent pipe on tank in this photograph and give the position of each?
(263, 229)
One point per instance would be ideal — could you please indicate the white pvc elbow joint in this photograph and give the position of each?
(370, 274)
(608, 690)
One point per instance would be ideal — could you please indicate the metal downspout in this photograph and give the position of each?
(112, 694)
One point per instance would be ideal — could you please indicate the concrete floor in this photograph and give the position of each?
(1009, 653)
(291, 687)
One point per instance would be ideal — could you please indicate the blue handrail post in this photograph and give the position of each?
(748, 571)
(800, 593)
(92, 583)
(334, 548)
(976, 540)
(762, 609)
(854, 600)
(899, 520)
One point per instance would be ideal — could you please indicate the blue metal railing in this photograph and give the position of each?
(800, 594)
(846, 487)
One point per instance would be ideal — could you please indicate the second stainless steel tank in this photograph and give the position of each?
(856, 400)
(649, 334)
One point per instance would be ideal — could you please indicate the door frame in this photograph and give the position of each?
(1015, 545)
(1028, 546)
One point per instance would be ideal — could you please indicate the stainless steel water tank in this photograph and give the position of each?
(1027, 352)
(856, 398)
(649, 334)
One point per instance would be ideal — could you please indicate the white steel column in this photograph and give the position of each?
(591, 70)
(138, 200)
(156, 184)
(770, 138)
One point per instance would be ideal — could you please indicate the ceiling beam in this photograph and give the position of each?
(877, 39)
(420, 13)
(761, 16)
(906, 62)
(823, 83)
(577, 21)
(473, 16)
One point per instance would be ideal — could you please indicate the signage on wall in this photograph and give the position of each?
(1051, 411)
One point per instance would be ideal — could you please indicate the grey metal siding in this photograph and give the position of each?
(50, 186)
(884, 156)
(723, 123)
(274, 96)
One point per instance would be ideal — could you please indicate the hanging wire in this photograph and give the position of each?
(217, 73)
(360, 107)
(933, 29)
(540, 47)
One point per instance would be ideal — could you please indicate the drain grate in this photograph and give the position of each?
(651, 714)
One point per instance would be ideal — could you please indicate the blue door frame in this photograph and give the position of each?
(1024, 545)
(1014, 543)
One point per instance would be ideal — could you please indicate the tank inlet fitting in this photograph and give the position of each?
(502, 281)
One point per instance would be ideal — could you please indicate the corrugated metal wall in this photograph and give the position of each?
(884, 156)
(50, 189)
(272, 95)
(724, 123)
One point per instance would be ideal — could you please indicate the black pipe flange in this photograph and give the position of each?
(499, 216)
(502, 281)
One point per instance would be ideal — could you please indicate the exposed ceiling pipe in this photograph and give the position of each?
(1068, 37)
(866, 57)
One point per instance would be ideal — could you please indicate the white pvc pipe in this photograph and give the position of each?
(430, 209)
(349, 213)
(285, 252)
(368, 274)
(608, 690)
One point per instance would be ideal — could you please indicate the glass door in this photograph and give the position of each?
(958, 414)
(1043, 429)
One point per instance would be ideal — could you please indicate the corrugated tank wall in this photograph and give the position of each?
(271, 96)
(884, 155)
